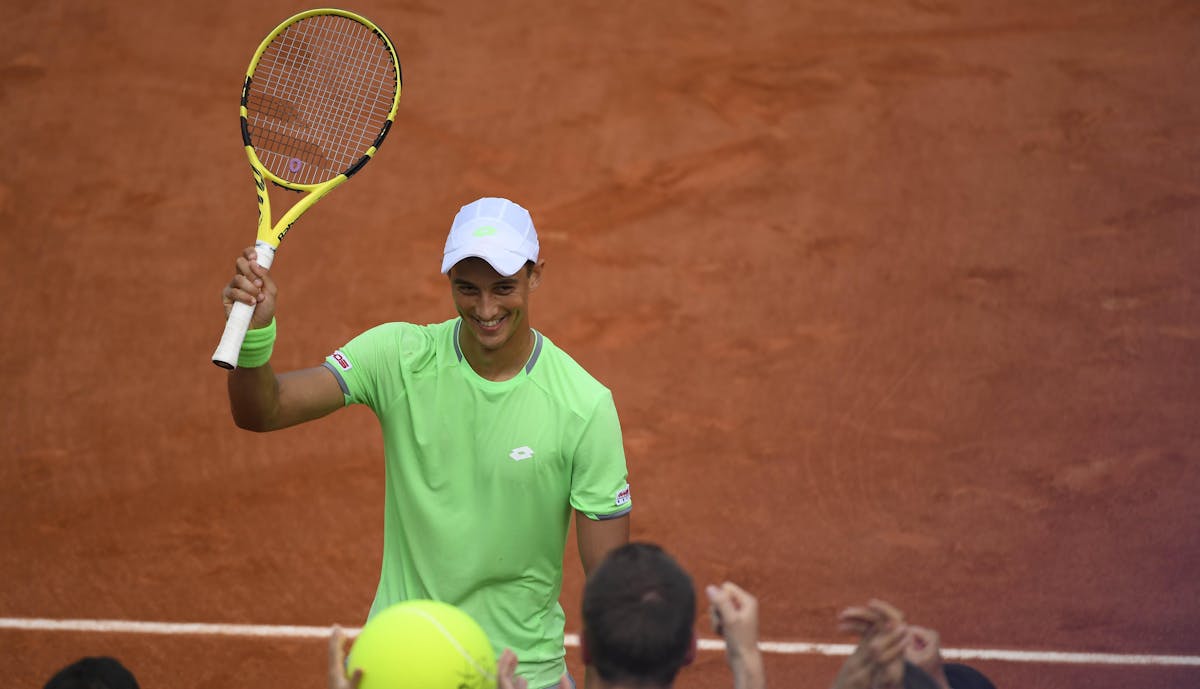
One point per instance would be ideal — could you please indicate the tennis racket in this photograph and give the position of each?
(320, 96)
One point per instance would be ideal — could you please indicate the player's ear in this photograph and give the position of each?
(535, 273)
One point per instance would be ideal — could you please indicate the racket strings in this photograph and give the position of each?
(347, 57)
(319, 98)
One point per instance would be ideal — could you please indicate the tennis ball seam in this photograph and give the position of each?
(457, 646)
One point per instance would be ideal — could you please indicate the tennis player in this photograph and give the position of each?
(493, 436)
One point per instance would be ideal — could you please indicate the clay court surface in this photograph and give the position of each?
(896, 299)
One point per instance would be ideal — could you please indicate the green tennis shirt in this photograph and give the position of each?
(481, 478)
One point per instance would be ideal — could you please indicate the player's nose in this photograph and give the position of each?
(487, 307)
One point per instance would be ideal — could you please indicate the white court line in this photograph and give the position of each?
(781, 647)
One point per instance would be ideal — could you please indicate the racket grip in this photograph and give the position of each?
(238, 323)
(236, 326)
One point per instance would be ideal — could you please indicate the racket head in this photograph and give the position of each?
(320, 96)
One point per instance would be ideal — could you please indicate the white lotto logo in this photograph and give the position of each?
(520, 453)
(623, 495)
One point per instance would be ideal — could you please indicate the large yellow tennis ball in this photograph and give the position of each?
(423, 644)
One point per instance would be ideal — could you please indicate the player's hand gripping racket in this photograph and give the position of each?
(320, 96)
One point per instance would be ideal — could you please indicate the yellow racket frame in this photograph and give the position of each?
(273, 235)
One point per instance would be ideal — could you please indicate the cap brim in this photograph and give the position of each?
(504, 262)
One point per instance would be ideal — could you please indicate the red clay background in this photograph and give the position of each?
(896, 299)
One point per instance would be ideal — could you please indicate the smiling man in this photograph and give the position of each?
(493, 437)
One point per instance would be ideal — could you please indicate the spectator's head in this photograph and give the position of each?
(966, 677)
(93, 673)
(639, 607)
(916, 678)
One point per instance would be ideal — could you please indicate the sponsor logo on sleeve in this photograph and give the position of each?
(623, 496)
(341, 360)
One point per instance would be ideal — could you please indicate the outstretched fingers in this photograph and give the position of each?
(338, 679)
(506, 672)
(865, 620)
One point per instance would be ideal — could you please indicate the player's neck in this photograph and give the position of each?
(503, 363)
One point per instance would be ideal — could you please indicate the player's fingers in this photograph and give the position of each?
(231, 296)
(268, 284)
(241, 289)
(250, 257)
(246, 283)
(258, 269)
(250, 269)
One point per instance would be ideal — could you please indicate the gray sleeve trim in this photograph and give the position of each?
(614, 515)
(338, 374)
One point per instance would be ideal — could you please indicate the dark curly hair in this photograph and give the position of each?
(639, 606)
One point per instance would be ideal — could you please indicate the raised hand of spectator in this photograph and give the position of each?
(506, 673)
(337, 662)
(878, 661)
(925, 651)
(735, 617)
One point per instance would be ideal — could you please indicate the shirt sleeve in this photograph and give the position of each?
(599, 477)
(370, 368)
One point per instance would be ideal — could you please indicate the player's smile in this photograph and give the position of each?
(489, 329)
(489, 325)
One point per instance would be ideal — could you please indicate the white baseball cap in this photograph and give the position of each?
(496, 230)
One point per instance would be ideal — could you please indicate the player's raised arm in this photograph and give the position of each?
(259, 399)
